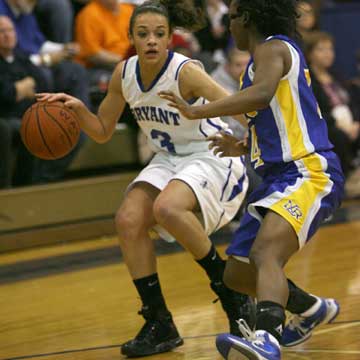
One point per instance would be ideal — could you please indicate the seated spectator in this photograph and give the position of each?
(102, 32)
(101, 29)
(334, 100)
(354, 89)
(53, 58)
(227, 75)
(184, 42)
(19, 80)
(78, 5)
(214, 37)
(307, 21)
(56, 19)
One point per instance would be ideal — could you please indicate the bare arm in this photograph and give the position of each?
(113, 104)
(105, 58)
(195, 82)
(99, 127)
(272, 60)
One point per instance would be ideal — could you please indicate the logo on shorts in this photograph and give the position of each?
(204, 184)
(293, 209)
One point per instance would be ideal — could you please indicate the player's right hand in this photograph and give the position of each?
(68, 100)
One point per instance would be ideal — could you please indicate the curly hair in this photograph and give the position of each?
(187, 14)
(271, 17)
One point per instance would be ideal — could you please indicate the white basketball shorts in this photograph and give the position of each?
(220, 184)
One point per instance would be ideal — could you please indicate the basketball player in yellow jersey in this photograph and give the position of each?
(302, 178)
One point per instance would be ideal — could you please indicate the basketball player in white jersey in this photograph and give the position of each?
(185, 190)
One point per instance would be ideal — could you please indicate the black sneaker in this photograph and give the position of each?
(236, 306)
(158, 335)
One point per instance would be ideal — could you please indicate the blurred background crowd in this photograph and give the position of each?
(73, 46)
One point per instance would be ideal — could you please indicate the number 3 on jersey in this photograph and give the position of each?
(255, 150)
(165, 140)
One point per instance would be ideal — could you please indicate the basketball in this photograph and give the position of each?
(49, 130)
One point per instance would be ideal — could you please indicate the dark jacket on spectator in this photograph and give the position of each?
(10, 72)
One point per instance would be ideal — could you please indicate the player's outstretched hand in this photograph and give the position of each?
(178, 103)
(224, 144)
(68, 100)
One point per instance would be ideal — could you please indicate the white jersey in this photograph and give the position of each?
(165, 128)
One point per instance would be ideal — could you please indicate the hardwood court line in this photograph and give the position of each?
(336, 328)
(63, 352)
(294, 351)
(348, 352)
(344, 322)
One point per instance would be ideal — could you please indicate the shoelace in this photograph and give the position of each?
(249, 334)
(295, 323)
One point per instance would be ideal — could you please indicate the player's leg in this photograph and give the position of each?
(295, 212)
(275, 242)
(309, 311)
(133, 222)
(175, 210)
(306, 308)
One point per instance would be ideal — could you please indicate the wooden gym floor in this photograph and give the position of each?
(75, 301)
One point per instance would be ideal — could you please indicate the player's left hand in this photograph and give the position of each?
(178, 103)
(224, 144)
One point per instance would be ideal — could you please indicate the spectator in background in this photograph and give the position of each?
(335, 104)
(19, 80)
(227, 75)
(78, 5)
(184, 42)
(354, 88)
(101, 29)
(54, 59)
(214, 37)
(56, 18)
(307, 21)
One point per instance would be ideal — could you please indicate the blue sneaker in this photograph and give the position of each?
(258, 345)
(300, 328)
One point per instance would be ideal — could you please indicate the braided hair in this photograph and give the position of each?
(187, 14)
(271, 17)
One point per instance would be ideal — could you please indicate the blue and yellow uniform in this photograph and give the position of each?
(290, 150)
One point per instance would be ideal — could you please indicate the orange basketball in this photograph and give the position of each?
(49, 130)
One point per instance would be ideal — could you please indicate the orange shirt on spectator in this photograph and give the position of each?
(97, 28)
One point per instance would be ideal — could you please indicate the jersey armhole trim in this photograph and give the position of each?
(180, 67)
(124, 69)
(292, 51)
